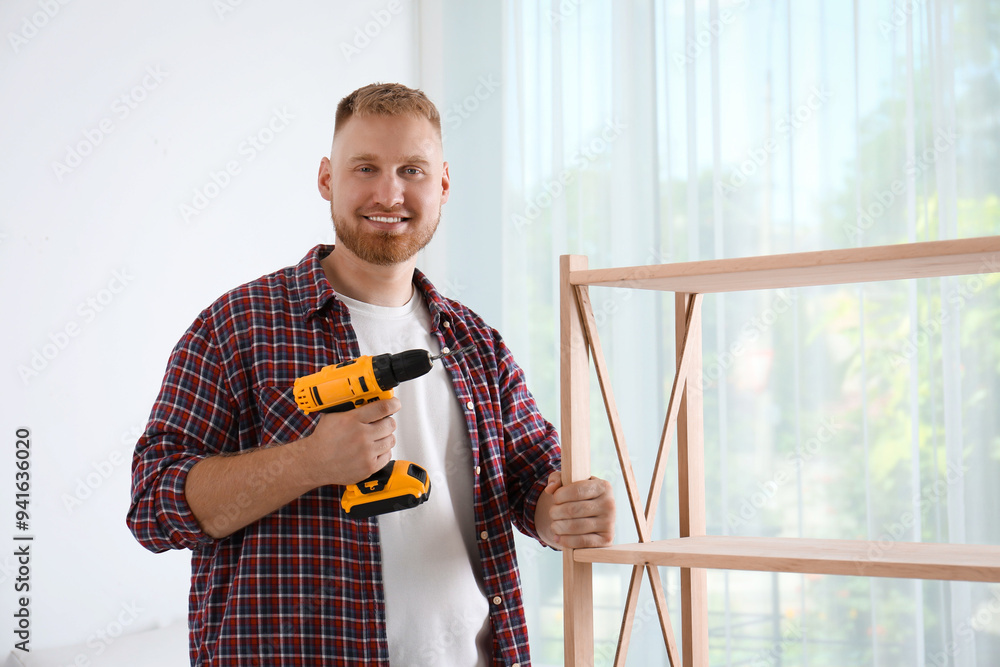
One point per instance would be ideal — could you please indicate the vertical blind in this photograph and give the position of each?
(654, 131)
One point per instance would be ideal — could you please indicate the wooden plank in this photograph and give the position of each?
(639, 515)
(662, 612)
(628, 617)
(825, 267)
(691, 482)
(660, 598)
(684, 365)
(574, 380)
(614, 420)
(578, 585)
(860, 558)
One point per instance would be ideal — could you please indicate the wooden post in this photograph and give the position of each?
(691, 490)
(578, 584)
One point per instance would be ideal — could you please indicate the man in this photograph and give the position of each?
(230, 468)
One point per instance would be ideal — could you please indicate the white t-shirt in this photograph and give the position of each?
(437, 612)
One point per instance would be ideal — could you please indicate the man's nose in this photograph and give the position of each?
(389, 191)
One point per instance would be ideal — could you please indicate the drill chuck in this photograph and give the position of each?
(391, 369)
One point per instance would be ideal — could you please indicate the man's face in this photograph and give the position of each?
(386, 181)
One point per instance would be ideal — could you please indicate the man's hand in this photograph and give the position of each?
(347, 447)
(226, 493)
(576, 516)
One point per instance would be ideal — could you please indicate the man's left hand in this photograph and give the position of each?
(577, 515)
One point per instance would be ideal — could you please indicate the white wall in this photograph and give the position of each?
(100, 271)
(463, 71)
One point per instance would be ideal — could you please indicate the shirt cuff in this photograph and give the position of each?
(174, 516)
(531, 507)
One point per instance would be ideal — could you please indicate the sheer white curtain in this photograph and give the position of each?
(652, 131)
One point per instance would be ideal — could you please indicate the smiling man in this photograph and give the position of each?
(231, 469)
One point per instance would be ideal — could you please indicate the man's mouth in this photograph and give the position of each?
(385, 222)
(388, 219)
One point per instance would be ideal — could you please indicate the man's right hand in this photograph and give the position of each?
(226, 493)
(347, 447)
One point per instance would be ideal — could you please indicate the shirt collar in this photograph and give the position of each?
(442, 309)
(314, 293)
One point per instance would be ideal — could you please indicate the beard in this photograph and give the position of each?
(383, 248)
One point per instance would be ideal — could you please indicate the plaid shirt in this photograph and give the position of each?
(303, 586)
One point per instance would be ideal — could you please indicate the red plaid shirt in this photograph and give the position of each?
(303, 586)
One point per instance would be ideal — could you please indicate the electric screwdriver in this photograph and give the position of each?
(341, 387)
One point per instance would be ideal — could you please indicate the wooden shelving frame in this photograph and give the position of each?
(694, 551)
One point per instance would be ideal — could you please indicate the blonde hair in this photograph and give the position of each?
(386, 99)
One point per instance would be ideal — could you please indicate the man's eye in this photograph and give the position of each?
(412, 171)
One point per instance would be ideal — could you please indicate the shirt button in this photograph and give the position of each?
(478, 469)
(497, 600)
(483, 535)
(446, 324)
(516, 664)
(470, 405)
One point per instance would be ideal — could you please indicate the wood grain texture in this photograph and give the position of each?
(824, 267)
(578, 583)
(860, 558)
(691, 480)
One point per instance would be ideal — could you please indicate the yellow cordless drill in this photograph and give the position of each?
(341, 387)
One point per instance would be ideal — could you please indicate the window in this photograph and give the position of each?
(673, 130)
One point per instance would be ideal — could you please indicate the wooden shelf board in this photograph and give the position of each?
(905, 560)
(826, 267)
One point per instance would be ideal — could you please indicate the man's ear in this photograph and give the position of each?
(324, 178)
(445, 184)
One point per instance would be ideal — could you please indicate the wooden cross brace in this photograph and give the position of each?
(689, 327)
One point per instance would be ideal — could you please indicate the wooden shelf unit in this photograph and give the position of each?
(695, 551)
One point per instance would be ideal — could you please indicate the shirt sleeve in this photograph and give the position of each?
(192, 418)
(531, 443)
